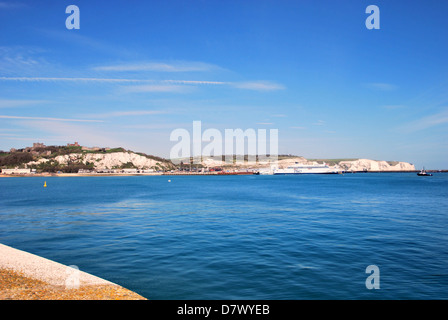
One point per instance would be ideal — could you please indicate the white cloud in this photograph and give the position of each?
(11, 5)
(258, 85)
(160, 67)
(75, 38)
(23, 60)
(157, 85)
(158, 88)
(394, 107)
(107, 80)
(427, 122)
(127, 113)
(55, 79)
(8, 135)
(195, 82)
(5, 103)
(48, 119)
(156, 126)
(382, 86)
(319, 123)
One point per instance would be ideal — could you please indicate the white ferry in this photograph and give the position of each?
(307, 169)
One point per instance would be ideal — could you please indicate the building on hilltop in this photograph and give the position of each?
(91, 149)
(76, 144)
(38, 145)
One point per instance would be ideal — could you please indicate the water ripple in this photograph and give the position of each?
(257, 237)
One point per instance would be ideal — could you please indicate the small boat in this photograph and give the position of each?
(424, 173)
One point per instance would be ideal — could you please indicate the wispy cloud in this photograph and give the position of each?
(11, 5)
(319, 123)
(158, 88)
(194, 82)
(258, 85)
(80, 40)
(158, 84)
(279, 115)
(298, 127)
(5, 103)
(127, 113)
(62, 79)
(9, 135)
(23, 60)
(156, 126)
(426, 122)
(382, 86)
(33, 139)
(393, 107)
(107, 80)
(160, 67)
(48, 119)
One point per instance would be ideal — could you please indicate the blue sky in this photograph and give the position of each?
(135, 71)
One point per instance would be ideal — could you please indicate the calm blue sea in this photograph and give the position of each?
(240, 237)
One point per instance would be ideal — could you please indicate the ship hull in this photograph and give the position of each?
(307, 169)
(296, 173)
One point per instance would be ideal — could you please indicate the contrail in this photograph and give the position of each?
(113, 80)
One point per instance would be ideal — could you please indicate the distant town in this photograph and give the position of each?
(76, 159)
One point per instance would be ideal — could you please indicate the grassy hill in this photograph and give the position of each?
(20, 157)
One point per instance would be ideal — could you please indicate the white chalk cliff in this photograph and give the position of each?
(355, 165)
(348, 165)
(117, 159)
(106, 160)
(374, 165)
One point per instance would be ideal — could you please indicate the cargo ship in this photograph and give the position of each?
(307, 169)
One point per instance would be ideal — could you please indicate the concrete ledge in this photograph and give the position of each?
(28, 276)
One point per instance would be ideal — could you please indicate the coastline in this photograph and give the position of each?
(122, 174)
(76, 175)
(178, 174)
(25, 276)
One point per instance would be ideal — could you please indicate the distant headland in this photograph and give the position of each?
(74, 159)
